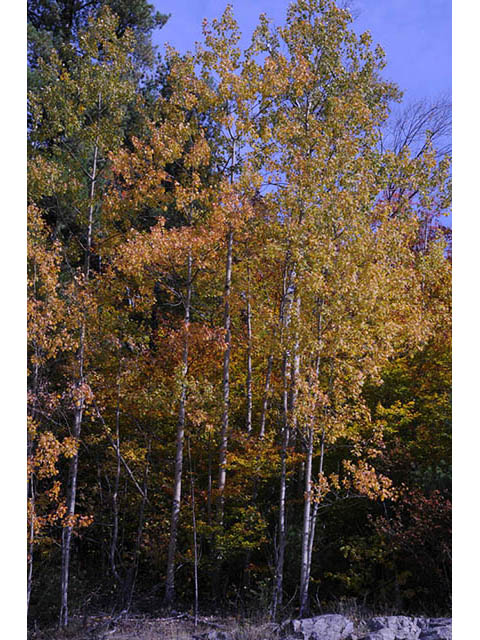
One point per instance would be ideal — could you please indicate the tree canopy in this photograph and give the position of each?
(239, 319)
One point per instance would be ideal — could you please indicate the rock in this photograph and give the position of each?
(400, 627)
(214, 635)
(436, 629)
(382, 634)
(337, 627)
(405, 628)
(327, 627)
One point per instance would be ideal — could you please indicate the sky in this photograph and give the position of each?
(415, 34)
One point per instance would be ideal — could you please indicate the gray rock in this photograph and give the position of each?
(327, 627)
(405, 628)
(402, 627)
(437, 629)
(437, 622)
(382, 634)
(214, 635)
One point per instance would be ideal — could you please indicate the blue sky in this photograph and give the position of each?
(415, 34)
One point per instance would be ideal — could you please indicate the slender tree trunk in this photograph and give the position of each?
(248, 424)
(309, 514)
(222, 473)
(266, 396)
(130, 586)
(307, 525)
(78, 411)
(195, 548)
(294, 376)
(209, 488)
(31, 485)
(177, 488)
(67, 530)
(314, 515)
(31, 490)
(282, 524)
(113, 545)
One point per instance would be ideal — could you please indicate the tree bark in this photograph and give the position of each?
(314, 520)
(177, 488)
(31, 487)
(266, 396)
(209, 488)
(282, 524)
(248, 424)
(67, 530)
(307, 526)
(113, 546)
(294, 376)
(78, 412)
(222, 473)
(309, 514)
(132, 574)
(31, 491)
(195, 548)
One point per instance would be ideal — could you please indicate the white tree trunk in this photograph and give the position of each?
(248, 424)
(307, 527)
(282, 516)
(266, 396)
(78, 413)
(113, 545)
(222, 473)
(282, 520)
(177, 487)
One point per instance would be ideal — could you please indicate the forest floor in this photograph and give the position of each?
(135, 627)
(177, 626)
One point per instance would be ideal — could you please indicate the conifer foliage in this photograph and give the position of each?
(230, 298)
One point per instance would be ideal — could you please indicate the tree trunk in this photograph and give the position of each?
(177, 488)
(222, 473)
(284, 320)
(132, 574)
(67, 530)
(307, 527)
(31, 491)
(78, 412)
(248, 424)
(266, 396)
(282, 524)
(314, 519)
(309, 514)
(294, 377)
(113, 545)
(195, 548)
(209, 488)
(31, 488)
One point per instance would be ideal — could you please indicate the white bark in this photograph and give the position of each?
(177, 487)
(307, 527)
(113, 545)
(266, 396)
(222, 473)
(248, 424)
(78, 412)
(282, 521)
(309, 514)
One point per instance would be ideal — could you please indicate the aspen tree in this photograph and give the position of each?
(79, 113)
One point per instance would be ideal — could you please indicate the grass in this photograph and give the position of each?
(182, 626)
(147, 628)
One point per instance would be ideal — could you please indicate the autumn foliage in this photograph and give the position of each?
(239, 308)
